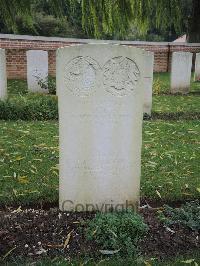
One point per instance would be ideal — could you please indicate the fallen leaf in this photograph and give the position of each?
(147, 263)
(158, 193)
(8, 253)
(17, 210)
(41, 251)
(23, 179)
(187, 261)
(170, 230)
(108, 252)
(67, 240)
(19, 158)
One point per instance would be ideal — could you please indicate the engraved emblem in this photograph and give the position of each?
(81, 75)
(120, 76)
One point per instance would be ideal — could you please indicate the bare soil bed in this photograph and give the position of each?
(37, 233)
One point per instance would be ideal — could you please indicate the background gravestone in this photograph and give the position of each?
(148, 82)
(181, 72)
(3, 76)
(100, 96)
(197, 67)
(37, 69)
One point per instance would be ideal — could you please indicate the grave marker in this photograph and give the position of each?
(197, 67)
(181, 72)
(3, 76)
(148, 82)
(100, 96)
(37, 69)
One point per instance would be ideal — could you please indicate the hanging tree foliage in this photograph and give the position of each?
(10, 9)
(114, 18)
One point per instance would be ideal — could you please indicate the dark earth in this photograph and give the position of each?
(37, 233)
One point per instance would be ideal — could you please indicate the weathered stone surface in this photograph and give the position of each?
(148, 82)
(37, 69)
(3, 76)
(181, 72)
(197, 67)
(100, 96)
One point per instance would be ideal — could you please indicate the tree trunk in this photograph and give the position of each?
(194, 23)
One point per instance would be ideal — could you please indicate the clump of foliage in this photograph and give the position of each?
(117, 231)
(48, 84)
(31, 107)
(187, 215)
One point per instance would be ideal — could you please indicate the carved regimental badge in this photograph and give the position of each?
(81, 75)
(120, 76)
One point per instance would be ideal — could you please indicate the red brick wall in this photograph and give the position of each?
(17, 45)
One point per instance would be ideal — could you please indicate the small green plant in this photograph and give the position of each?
(157, 86)
(187, 215)
(48, 84)
(117, 231)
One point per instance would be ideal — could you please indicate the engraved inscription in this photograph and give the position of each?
(81, 75)
(120, 76)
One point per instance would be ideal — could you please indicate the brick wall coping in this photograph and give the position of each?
(74, 40)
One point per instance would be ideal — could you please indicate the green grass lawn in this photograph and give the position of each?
(174, 104)
(166, 103)
(29, 150)
(29, 161)
(29, 156)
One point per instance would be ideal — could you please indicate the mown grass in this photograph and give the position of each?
(170, 156)
(29, 161)
(168, 106)
(174, 104)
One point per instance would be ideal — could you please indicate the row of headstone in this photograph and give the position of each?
(181, 71)
(37, 73)
(37, 70)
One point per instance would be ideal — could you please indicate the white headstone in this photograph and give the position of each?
(3, 76)
(181, 72)
(37, 69)
(148, 82)
(100, 96)
(197, 67)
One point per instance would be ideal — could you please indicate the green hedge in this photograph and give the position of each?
(30, 107)
(45, 107)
